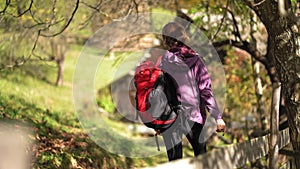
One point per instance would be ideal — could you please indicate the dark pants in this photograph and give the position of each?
(173, 141)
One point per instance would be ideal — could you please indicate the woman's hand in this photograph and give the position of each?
(221, 126)
(157, 132)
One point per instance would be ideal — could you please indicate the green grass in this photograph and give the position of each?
(28, 94)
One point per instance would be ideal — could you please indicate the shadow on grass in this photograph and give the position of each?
(54, 147)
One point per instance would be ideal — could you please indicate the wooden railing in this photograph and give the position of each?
(231, 156)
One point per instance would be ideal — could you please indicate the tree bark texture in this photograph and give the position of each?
(284, 51)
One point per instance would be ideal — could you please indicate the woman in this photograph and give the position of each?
(193, 92)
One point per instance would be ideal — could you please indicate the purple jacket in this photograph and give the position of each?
(194, 84)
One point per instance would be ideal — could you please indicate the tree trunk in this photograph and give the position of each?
(60, 59)
(260, 109)
(259, 95)
(60, 72)
(273, 144)
(287, 62)
(284, 50)
(58, 52)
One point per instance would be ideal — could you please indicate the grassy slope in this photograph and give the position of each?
(62, 142)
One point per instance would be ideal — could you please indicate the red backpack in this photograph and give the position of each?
(156, 98)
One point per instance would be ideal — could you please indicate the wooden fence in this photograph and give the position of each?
(231, 156)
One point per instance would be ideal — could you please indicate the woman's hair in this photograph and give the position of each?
(174, 34)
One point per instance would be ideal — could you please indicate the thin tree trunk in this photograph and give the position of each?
(259, 95)
(273, 144)
(60, 59)
(261, 112)
(60, 72)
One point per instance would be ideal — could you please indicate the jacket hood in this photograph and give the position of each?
(183, 57)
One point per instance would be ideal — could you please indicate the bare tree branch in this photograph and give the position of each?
(36, 41)
(22, 13)
(34, 19)
(7, 3)
(41, 26)
(67, 24)
(96, 7)
(129, 10)
(235, 23)
(246, 46)
(222, 21)
(28, 9)
(38, 23)
(136, 6)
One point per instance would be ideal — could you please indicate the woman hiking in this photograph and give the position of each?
(193, 92)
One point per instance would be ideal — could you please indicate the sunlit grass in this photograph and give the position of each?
(32, 96)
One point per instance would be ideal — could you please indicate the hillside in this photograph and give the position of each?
(28, 96)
